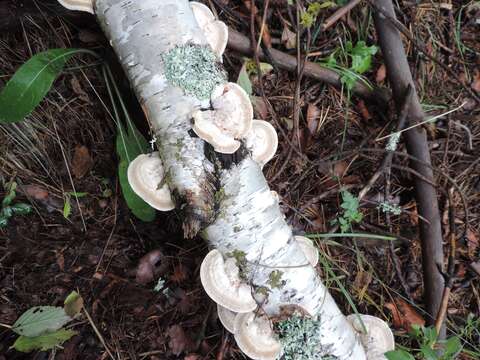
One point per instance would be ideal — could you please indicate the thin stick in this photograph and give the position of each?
(97, 332)
(337, 15)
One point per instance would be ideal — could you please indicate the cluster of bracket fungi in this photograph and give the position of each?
(225, 125)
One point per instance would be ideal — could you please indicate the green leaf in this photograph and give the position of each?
(43, 342)
(428, 353)
(452, 347)
(129, 145)
(21, 209)
(362, 57)
(11, 194)
(77, 194)
(73, 304)
(6, 212)
(67, 207)
(39, 320)
(31, 83)
(399, 355)
(3, 222)
(244, 80)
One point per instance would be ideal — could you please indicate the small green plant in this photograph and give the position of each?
(428, 341)
(67, 204)
(351, 213)
(41, 327)
(9, 209)
(358, 60)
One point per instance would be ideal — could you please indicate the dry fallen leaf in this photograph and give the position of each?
(381, 74)
(146, 266)
(259, 106)
(313, 116)
(179, 340)
(362, 108)
(82, 162)
(289, 38)
(476, 81)
(472, 243)
(404, 315)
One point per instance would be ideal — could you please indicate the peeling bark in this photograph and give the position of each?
(247, 217)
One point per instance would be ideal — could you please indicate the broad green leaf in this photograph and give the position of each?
(129, 145)
(361, 56)
(7, 212)
(31, 82)
(428, 353)
(21, 209)
(73, 304)
(39, 320)
(399, 355)
(43, 342)
(452, 347)
(244, 80)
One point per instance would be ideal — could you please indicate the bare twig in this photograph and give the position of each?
(430, 232)
(337, 15)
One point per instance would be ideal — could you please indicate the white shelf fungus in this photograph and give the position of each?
(221, 280)
(145, 176)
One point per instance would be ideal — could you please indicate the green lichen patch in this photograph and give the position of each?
(275, 279)
(300, 338)
(241, 261)
(194, 69)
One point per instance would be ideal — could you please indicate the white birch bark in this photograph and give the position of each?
(248, 218)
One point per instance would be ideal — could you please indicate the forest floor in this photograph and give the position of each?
(67, 146)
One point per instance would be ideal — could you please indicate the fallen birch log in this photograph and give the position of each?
(257, 270)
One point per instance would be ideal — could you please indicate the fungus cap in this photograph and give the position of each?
(226, 317)
(221, 280)
(80, 5)
(215, 31)
(310, 251)
(145, 174)
(255, 337)
(262, 141)
(379, 338)
(230, 119)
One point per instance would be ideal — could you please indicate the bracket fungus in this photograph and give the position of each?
(146, 176)
(226, 317)
(221, 280)
(230, 119)
(215, 31)
(255, 337)
(80, 5)
(310, 251)
(377, 340)
(262, 141)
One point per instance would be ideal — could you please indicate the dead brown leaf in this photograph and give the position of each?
(472, 243)
(180, 274)
(261, 109)
(146, 266)
(313, 117)
(362, 108)
(82, 161)
(381, 74)
(289, 38)
(78, 90)
(476, 81)
(404, 315)
(179, 341)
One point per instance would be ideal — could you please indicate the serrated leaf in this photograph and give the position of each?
(129, 145)
(43, 342)
(31, 82)
(3, 222)
(11, 194)
(73, 304)
(39, 320)
(399, 355)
